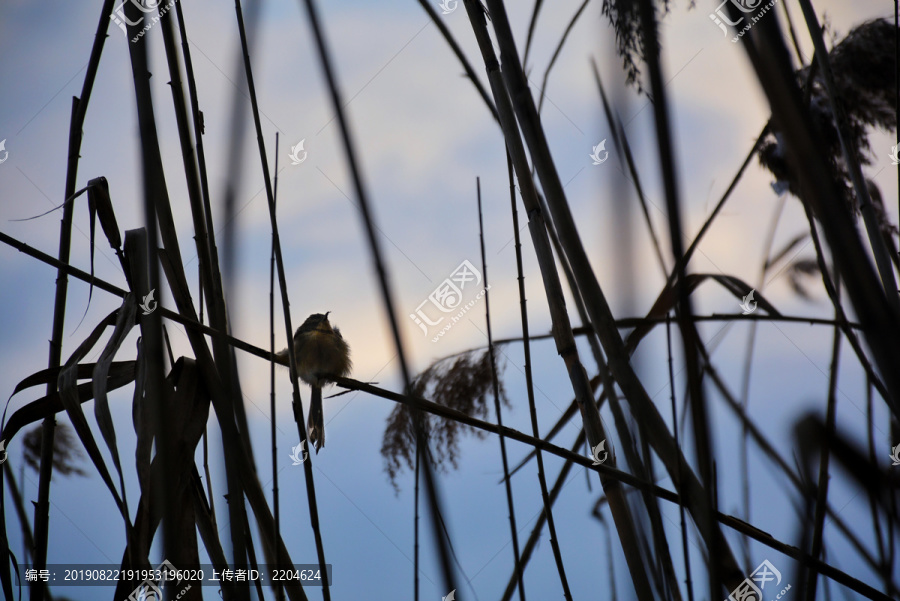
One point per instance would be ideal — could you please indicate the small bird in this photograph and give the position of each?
(320, 354)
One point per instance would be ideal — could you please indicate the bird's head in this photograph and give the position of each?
(316, 321)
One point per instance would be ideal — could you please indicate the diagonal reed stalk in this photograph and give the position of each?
(559, 46)
(562, 330)
(820, 499)
(431, 489)
(279, 593)
(544, 517)
(495, 382)
(286, 306)
(529, 387)
(683, 308)
(624, 478)
(685, 550)
(598, 308)
(42, 507)
(451, 41)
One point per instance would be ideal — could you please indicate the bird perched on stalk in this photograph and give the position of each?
(320, 354)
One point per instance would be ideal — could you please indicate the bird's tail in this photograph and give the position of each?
(281, 358)
(315, 426)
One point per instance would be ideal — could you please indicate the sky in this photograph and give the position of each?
(424, 136)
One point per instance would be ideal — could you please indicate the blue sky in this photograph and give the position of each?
(424, 136)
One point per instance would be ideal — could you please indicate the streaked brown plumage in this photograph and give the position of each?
(320, 354)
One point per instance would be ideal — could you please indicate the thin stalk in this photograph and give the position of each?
(198, 195)
(240, 471)
(529, 387)
(197, 120)
(495, 381)
(279, 592)
(234, 446)
(770, 452)
(559, 46)
(76, 126)
(209, 491)
(612, 570)
(431, 488)
(532, 24)
(189, 159)
(545, 515)
(640, 462)
(451, 41)
(197, 188)
(562, 328)
(157, 211)
(286, 305)
(748, 364)
(884, 562)
(219, 319)
(685, 550)
(683, 308)
(519, 100)
(821, 506)
(680, 264)
(416, 530)
(21, 512)
(48, 428)
(793, 33)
